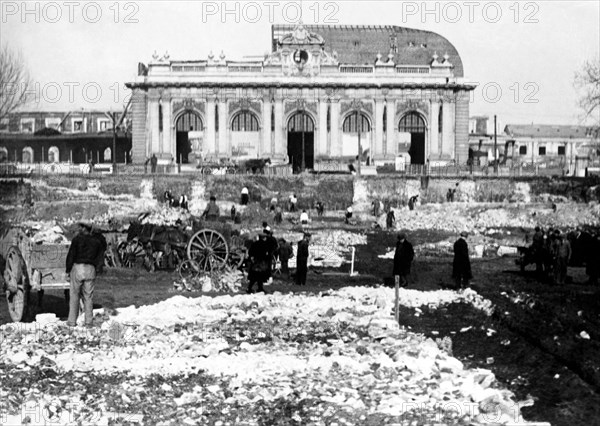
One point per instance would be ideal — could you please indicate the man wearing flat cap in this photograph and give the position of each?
(85, 254)
(403, 259)
(461, 267)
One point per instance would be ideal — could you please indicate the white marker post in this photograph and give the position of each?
(396, 300)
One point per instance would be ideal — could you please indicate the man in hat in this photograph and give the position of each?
(245, 196)
(302, 259)
(461, 266)
(261, 259)
(83, 257)
(403, 259)
(285, 253)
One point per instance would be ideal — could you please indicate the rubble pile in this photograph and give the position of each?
(226, 281)
(44, 232)
(336, 356)
(457, 217)
(165, 216)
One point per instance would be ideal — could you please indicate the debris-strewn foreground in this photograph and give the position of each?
(332, 358)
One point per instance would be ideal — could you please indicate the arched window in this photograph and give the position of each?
(53, 155)
(189, 122)
(3, 154)
(107, 157)
(412, 123)
(329, 118)
(245, 121)
(27, 155)
(441, 119)
(385, 119)
(351, 124)
(301, 122)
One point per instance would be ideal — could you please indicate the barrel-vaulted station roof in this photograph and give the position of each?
(360, 44)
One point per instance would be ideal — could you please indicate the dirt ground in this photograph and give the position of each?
(534, 347)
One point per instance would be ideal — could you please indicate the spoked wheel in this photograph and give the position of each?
(188, 269)
(236, 258)
(209, 249)
(17, 284)
(131, 253)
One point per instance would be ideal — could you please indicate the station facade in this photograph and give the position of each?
(323, 93)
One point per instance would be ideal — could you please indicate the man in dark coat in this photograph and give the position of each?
(390, 219)
(261, 258)
(592, 262)
(211, 213)
(461, 267)
(285, 253)
(153, 162)
(302, 260)
(403, 259)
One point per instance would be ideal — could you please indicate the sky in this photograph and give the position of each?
(523, 55)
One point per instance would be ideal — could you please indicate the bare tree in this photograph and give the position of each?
(588, 81)
(14, 81)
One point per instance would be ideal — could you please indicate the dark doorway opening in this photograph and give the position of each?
(188, 122)
(301, 142)
(414, 124)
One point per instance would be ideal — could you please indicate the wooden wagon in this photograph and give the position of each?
(29, 269)
(209, 246)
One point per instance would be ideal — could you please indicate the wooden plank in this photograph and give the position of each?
(48, 256)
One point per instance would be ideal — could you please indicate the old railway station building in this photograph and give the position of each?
(321, 89)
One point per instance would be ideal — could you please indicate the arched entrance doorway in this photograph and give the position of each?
(414, 124)
(301, 142)
(188, 126)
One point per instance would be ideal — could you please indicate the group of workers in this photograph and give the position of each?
(552, 252)
(264, 252)
(182, 201)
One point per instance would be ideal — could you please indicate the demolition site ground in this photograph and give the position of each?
(542, 341)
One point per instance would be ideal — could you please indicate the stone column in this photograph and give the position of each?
(448, 136)
(391, 130)
(265, 144)
(434, 118)
(336, 141)
(210, 137)
(378, 148)
(322, 145)
(279, 149)
(168, 141)
(153, 126)
(224, 142)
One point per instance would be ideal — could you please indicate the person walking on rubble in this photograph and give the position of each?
(403, 258)
(82, 260)
(211, 213)
(461, 266)
(390, 219)
(245, 197)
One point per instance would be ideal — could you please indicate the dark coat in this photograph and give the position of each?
(461, 267)
(260, 254)
(403, 258)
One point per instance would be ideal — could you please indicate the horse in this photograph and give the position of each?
(256, 165)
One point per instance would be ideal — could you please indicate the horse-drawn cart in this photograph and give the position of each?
(29, 268)
(209, 246)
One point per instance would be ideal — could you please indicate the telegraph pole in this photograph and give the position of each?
(495, 147)
(359, 124)
(114, 150)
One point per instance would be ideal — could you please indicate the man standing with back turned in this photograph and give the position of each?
(84, 254)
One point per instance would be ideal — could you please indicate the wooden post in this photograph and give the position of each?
(396, 300)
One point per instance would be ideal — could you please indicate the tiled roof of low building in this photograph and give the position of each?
(548, 131)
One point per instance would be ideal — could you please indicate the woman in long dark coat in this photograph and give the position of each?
(403, 258)
(461, 267)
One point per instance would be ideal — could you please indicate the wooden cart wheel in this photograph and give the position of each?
(188, 269)
(236, 258)
(131, 253)
(17, 284)
(209, 248)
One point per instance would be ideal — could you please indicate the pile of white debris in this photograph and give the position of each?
(340, 351)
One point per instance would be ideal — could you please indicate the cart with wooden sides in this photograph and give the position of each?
(211, 245)
(28, 269)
